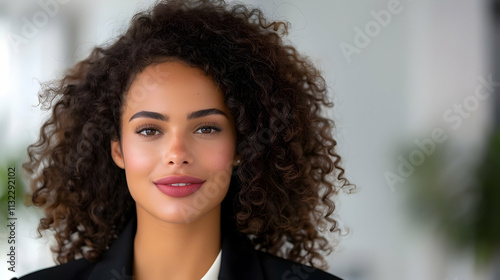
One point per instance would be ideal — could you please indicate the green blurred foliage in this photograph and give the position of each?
(487, 221)
(463, 201)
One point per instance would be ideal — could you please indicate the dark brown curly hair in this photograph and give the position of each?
(281, 193)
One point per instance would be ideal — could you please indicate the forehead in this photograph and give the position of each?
(173, 86)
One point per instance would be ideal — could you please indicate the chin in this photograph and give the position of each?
(181, 212)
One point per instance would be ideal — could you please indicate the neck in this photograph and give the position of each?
(179, 251)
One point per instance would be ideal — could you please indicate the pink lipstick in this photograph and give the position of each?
(179, 186)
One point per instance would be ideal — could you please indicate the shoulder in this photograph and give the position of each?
(116, 262)
(74, 270)
(240, 260)
(278, 268)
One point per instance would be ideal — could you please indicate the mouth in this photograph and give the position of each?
(179, 186)
(179, 180)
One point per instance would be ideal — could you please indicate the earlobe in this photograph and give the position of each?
(237, 160)
(116, 154)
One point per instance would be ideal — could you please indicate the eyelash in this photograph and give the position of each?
(212, 126)
(147, 127)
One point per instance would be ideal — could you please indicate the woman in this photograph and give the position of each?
(191, 148)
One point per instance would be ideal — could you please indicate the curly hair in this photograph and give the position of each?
(282, 192)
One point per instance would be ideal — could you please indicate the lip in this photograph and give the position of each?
(178, 179)
(165, 185)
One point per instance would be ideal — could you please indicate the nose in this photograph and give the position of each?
(177, 153)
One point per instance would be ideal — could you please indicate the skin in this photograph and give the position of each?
(179, 237)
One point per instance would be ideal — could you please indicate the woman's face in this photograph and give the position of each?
(175, 123)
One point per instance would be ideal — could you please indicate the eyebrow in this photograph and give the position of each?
(190, 116)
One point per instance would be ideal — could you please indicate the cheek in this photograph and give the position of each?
(219, 157)
(138, 160)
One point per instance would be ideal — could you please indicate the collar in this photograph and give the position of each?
(238, 260)
(213, 271)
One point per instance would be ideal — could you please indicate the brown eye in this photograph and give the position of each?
(148, 132)
(205, 130)
(208, 129)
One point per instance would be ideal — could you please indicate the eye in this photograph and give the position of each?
(148, 131)
(209, 129)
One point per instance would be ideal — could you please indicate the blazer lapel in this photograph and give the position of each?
(116, 263)
(239, 260)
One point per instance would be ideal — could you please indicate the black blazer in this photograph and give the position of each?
(239, 261)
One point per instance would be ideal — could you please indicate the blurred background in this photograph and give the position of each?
(415, 86)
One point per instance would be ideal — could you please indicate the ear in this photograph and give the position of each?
(116, 154)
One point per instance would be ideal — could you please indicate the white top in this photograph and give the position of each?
(213, 271)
